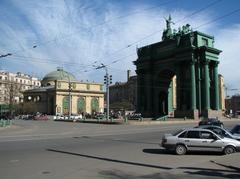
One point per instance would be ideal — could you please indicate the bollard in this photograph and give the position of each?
(4, 123)
(126, 119)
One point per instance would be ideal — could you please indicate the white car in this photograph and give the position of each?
(197, 139)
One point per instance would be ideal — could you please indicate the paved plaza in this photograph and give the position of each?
(49, 149)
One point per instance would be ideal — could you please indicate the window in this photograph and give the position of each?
(205, 41)
(6, 78)
(183, 135)
(217, 131)
(177, 132)
(193, 134)
(206, 135)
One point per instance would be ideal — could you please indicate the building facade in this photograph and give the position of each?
(61, 93)
(123, 95)
(193, 59)
(233, 105)
(13, 84)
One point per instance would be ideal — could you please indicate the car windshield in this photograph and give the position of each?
(178, 132)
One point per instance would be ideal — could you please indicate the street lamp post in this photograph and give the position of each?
(107, 81)
(70, 100)
(69, 94)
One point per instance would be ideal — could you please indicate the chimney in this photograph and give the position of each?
(128, 74)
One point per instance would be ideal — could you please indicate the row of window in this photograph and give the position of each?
(20, 88)
(20, 80)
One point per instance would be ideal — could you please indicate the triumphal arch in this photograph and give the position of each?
(188, 57)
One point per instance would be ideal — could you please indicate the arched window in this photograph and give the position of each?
(81, 105)
(95, 105)
(65, 105)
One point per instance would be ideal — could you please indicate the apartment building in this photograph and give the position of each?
(13, 84)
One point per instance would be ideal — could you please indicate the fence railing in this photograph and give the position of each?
(5, 123)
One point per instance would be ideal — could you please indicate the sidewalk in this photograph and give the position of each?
(174, 121)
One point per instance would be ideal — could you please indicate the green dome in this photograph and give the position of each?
(60, 74)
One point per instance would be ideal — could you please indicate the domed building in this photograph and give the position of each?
(57, 89)
(59, 75)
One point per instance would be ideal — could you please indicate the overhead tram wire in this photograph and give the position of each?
(218, 18)
(94, 26)
(47, 60)
(188, 16)
(199, 10)
(209, 22)
(180, 20)
(129, 45)
(114, 61)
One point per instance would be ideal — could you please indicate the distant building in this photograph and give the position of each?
(233, 105)
(59, 88)
(122, 95)
(13, 84)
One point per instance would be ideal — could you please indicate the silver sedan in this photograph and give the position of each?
(197, 139)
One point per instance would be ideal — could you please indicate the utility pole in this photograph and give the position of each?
(70, 99)
(69, 92)
(107, 81)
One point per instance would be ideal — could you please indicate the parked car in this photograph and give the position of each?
(236, 130)
(3, 117)
(220, 131)
(211, 121)
(41, 117)
(197, 139)
(135, 116)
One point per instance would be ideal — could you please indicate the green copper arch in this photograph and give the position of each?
(81, 105)
(65, 105)
(95, 105)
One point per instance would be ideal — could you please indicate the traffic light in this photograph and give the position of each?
(105, 79)
(110, 79)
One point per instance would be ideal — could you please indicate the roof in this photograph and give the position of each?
(60, 74)
(41, 89)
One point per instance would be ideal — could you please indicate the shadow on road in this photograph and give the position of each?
(110, 160)
(227, 166)
(157, 151)
(225, 173)
(117, 174)
(164, 151)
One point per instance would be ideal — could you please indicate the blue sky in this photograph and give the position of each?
(78, 34)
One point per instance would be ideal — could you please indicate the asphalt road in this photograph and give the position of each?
(39, 149)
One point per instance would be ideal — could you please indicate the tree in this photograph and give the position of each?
(13, 92)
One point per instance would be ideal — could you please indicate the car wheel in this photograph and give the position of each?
(180, 149)
(229, 150)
